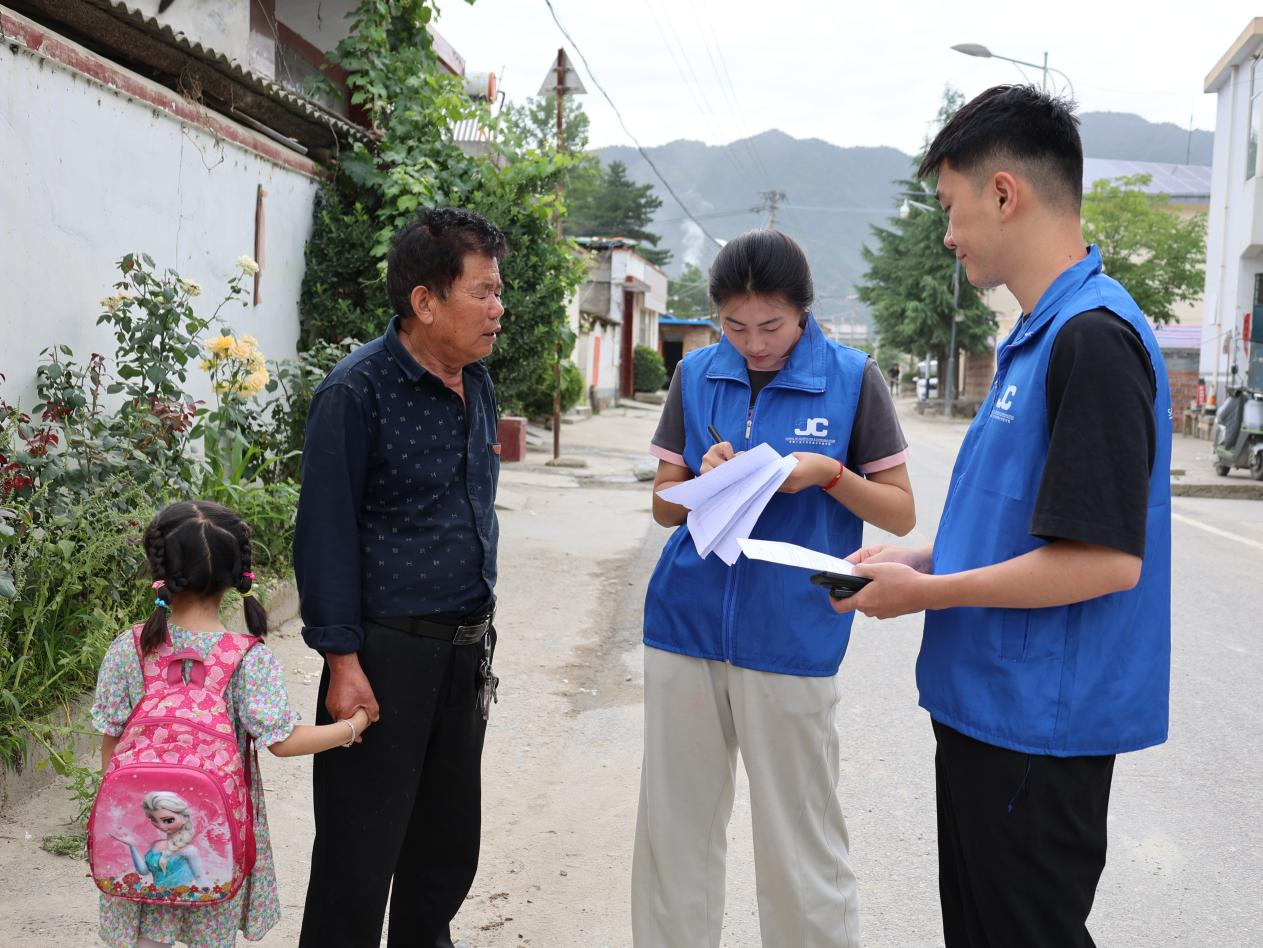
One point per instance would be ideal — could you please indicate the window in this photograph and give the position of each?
(1256, 119)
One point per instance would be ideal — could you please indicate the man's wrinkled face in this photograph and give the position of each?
(467, 322)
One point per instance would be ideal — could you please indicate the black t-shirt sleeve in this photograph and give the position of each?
(1101, 436)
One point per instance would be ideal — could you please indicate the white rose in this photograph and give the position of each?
(248, 264)
(191, 288)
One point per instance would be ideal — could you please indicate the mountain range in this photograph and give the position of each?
(831, 196)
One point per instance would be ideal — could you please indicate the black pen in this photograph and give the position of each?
(715, 436)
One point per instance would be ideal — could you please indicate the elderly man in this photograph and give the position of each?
(395, 555)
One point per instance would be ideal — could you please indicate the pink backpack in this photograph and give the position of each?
(173, 821)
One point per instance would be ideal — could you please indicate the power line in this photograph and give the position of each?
(643, 154)
(707, 108)
(706, 25)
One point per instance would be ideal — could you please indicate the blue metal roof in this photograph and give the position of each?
(1187, 184)
(666, 319)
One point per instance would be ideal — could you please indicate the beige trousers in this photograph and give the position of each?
(697, 714)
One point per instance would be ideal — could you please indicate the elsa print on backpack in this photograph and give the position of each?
(171, 861)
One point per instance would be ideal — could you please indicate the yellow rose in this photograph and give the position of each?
(113, 302)
(221, 346)
(240, 351)
(256, 382)
(205, 365)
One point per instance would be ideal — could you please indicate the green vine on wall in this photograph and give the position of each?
(395, 77)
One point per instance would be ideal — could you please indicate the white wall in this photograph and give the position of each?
(324, 25)
(1236, 218)
(88, 174)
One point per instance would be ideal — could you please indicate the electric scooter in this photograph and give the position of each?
(1239, 433)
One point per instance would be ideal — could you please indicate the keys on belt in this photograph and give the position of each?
(489, 680)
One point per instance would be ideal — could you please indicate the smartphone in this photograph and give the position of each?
(840, 585)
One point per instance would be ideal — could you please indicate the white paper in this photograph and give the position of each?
(728, 548)
(696, 491)
(789, 554)
(725, 503)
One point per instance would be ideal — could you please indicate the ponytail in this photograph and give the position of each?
(256, 615)
(155, 631)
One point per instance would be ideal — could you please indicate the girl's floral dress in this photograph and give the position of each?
(259, 706)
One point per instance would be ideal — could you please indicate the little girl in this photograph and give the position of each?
(197, 551)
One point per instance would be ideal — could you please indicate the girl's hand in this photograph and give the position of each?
(123, 839)
(717, 455)
(361, 721)
(812, 470)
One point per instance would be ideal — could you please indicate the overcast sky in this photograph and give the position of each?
(852, 72)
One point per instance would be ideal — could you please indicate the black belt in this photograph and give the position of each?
(466, 633)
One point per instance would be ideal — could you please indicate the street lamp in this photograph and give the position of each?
(977, 49)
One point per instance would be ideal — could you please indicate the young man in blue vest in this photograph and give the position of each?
(1047, 634)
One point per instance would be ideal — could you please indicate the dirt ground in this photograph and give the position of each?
(562, 759)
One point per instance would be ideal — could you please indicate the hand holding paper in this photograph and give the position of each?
(725, 503)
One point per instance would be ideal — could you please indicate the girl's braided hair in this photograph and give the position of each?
(202, 548)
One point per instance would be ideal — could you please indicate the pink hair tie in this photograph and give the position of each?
(158, 583)
(248, 575)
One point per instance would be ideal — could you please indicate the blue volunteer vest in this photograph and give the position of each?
(1084, 679)
(754, 614)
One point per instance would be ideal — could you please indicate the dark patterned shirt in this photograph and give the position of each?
(396, 515)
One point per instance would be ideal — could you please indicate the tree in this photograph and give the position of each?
(609, 204)
(908, 284)
(687, 295)
(908, 288)
(394, 75)
(534, 124)
(1145, 244)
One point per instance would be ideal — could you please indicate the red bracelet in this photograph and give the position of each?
(836, 477)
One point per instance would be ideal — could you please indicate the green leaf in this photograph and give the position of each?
(7, 588)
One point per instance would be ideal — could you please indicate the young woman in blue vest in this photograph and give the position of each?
(745, 656)
(1047, 635)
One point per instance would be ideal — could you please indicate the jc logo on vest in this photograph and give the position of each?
(1003, 404)
(813, 428)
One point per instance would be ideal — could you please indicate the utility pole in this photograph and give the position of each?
(771, 201)
(562, 79)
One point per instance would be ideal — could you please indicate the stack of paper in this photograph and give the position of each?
(725, 503)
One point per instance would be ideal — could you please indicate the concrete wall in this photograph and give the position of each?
(92, 170)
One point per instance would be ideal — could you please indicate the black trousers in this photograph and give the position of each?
(1021, 842)
(404, 806)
